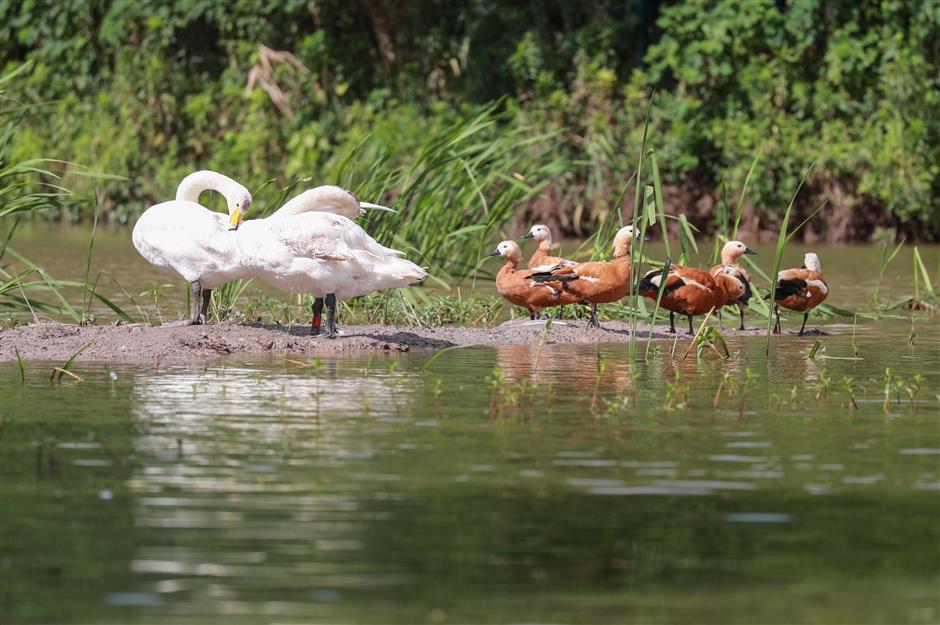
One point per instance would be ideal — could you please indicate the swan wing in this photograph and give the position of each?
(187, 239)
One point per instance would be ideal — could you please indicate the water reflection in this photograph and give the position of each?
(361, 491)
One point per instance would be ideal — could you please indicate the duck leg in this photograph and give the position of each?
(803, 327)
(741, 309)
(194, 317)
(690, 324)
(533, 315)
(777, 325)
(560, 313)
(672, 322)
(593, 322)
(720, 324)
(317, 316)
(331, 316)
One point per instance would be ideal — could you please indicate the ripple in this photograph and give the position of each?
(757, 517)
(627, 491)
(708, 484)
(736, 458)
(133, 598)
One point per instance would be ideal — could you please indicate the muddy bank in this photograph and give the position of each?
(54, 341)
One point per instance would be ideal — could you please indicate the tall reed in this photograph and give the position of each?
(782, 239)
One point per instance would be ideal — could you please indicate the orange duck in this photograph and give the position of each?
(732, 279)
(518, 287)
(688, 291)
(800, 289)
(597, 282)
(542, 258)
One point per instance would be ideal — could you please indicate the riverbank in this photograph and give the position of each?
(127, 343)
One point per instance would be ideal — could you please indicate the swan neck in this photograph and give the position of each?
(194, 184)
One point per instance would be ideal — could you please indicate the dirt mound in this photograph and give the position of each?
(54, 341)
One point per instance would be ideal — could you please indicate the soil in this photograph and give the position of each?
(58, 342)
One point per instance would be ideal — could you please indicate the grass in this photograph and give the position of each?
(782, 239)
(454, 198)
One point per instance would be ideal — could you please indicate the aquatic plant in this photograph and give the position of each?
(20, 364)
(782, 238)
(58, 372)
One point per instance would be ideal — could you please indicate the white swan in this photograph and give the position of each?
(186, 239)
(310, 245)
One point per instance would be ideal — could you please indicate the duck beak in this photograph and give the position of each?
(235, 218)
(527, 236)
(748, 250)
(377, 207)
(494, 253)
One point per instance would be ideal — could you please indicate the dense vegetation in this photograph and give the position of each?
(489, 110)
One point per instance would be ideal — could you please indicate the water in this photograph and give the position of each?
(569, 488)
(581, 491)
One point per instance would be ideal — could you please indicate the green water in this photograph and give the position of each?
(582, 491)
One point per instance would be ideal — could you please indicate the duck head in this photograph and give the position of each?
(508, 250)
(623, 240)
(733, 250)
(539, 232)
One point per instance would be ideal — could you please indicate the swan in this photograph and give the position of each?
(184, 238)
(312, 245)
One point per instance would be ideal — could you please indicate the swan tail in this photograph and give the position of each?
(395, 273)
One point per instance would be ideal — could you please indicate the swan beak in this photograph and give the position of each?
(748, 250)
(494, 253)
(377, 207)
(527, 236)
(235, 219)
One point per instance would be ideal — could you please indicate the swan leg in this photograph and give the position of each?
(593, 322)
(206, 299)
(194, 316)
(317, 316)
(331, 316)
(672, 322)
(803, 327)
(777, 325)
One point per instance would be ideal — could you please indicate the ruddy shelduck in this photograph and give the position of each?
(517, 286)
(688, 291)
(598, 282)
(542, 258)
(800, 289)
(732, 279)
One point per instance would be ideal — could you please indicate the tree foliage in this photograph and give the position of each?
(153, 88)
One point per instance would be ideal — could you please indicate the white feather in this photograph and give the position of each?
(819, 284)
(184, 238)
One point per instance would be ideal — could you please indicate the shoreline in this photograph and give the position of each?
(140, 343)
